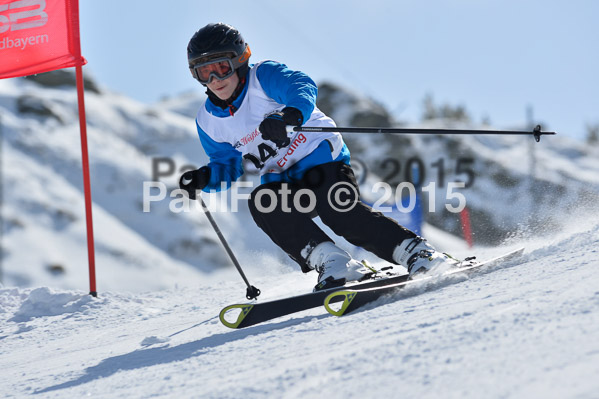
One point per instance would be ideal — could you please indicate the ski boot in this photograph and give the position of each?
(418, 256)
(335, 267)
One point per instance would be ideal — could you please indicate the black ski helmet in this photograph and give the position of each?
(219, 38)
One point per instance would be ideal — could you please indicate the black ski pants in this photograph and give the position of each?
(284, 211)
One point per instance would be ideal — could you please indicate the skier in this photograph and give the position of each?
(245, 117)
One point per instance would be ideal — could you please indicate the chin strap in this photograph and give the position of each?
(228, 103)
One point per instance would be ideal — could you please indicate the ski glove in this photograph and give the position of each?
(194, 180)
(273, 127)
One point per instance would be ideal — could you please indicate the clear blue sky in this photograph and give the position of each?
(493, 57)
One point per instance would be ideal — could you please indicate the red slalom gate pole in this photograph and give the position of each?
(466, 228)
(86, 183)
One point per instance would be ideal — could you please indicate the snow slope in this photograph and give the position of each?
(526, 330)
(520, 331)
(43, 220)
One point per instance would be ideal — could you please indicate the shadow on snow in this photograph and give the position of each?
(162, 355)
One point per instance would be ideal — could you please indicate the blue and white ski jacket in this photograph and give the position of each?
(228, 139)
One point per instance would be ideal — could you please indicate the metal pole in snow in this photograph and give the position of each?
(1, 203)
(86, 182)
(252, 292)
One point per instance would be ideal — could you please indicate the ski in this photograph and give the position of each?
(355, 297)
(254, 313)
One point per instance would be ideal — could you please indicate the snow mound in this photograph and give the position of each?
(44, 301)
(10, 299)
(153, 340)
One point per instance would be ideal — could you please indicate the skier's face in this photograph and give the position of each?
(224, 88)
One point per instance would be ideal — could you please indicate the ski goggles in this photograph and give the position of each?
(219, 68)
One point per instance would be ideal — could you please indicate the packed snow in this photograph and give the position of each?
(522, 329)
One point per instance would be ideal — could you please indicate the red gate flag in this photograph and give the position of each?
(38, 36)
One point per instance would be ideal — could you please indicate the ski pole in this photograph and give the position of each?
(536, 132)
(252, 292)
